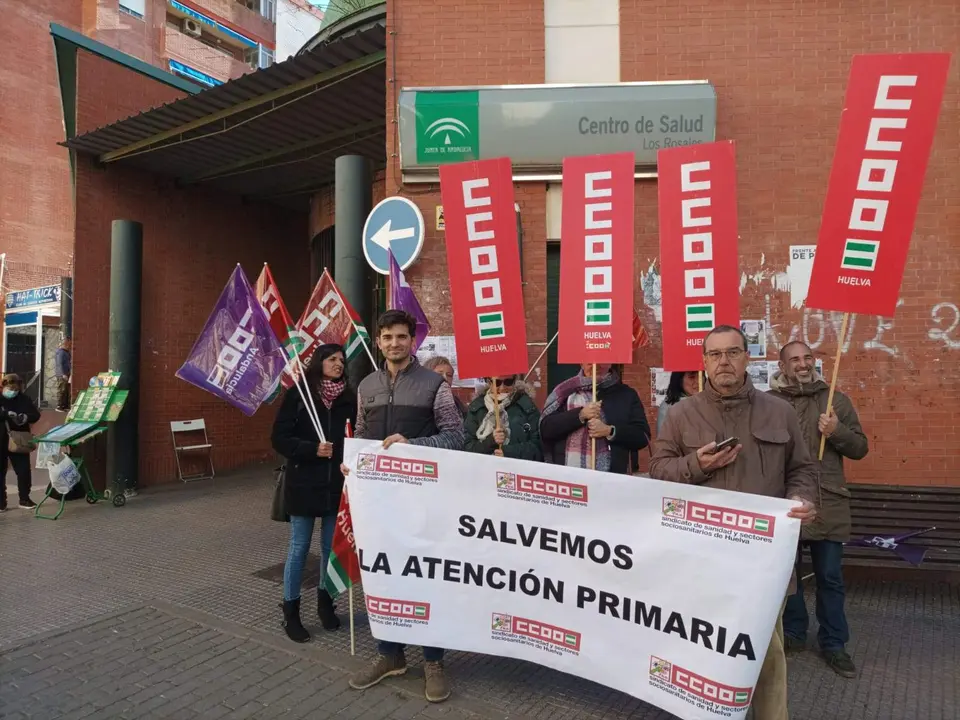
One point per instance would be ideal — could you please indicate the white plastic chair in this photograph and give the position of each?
(192, 427)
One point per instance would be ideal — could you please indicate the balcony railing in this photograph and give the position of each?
(200, 56)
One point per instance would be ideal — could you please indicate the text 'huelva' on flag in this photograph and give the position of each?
(886, 132)
(596, 260)
(483, 262)
(698, 248)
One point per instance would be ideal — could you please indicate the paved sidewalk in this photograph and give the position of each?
(168, 608)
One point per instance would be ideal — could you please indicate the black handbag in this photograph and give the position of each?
(277, 511)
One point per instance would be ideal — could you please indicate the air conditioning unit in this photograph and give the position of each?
(191, 27)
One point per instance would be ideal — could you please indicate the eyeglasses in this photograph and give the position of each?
(730, 354)
(509, 382)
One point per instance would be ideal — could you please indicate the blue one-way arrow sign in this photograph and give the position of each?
(394, 224)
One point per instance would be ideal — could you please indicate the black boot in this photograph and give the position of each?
(325, 610)
(291, 621)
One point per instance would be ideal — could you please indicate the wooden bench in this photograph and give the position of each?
(889, 510)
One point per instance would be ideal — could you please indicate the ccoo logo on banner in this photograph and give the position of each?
(697, 198)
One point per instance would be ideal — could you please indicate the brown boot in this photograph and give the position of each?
(436, 688)
(384, 667)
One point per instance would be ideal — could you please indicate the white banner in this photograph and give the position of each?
(667, 592)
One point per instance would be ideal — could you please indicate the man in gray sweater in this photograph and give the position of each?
(406, 403)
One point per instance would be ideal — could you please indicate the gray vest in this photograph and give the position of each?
(405, 407)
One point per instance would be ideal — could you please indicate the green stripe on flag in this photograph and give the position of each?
(860, 255)
(576, 492)
(336, 579)
(420, 610)
(700, 317)
(491, 325)
(741, 697)
(761, 525)
(598, 312)
(570, 639)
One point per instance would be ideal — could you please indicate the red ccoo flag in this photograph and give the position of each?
(343, 567)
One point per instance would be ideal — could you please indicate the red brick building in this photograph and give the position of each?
(778, 72)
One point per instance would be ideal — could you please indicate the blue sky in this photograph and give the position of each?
(322, 4)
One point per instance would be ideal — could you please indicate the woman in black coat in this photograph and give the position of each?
(17, 413)
(570, 419)
(313, 481)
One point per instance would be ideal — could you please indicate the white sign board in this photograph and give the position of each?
(664, 591)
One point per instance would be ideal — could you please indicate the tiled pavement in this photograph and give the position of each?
(167, 608)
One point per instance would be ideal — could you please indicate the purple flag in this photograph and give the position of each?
(897, 543)
(402, 298)
(237, 356)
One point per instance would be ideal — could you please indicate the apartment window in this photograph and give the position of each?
(133, 7)
(266, 57)
(268, 8)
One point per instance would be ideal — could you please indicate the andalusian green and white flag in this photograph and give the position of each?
(860, 255)
(700, 317)
(491, 325)
(598, 312)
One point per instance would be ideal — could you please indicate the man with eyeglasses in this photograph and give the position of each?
(769, 457)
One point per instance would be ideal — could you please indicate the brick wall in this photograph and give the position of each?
(36, 212)
(780, 76)
(439, 43)
(192, 241)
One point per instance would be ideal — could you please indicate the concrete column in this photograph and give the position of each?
(126, 273)
(352, 202)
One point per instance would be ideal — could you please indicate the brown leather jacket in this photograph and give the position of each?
(809, 401)
(774, 461)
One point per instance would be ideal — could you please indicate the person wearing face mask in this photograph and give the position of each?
(444, 368)
(799, 383)
(17, 414)
(682, 384)
(570, 420)
(519, 434)
(313, 482)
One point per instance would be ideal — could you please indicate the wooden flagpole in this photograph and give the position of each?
(700, 380)
(593, 441)
(353, 635)
(540, 357)
(833, 379)
(496, 406)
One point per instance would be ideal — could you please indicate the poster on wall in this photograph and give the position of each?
(659, 381)
(756, 332)
(445, 346)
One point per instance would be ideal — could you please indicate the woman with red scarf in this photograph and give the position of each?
(313, 481)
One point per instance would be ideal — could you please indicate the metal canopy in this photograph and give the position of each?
(272, 134)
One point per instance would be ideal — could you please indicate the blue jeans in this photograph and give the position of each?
(430, 654)
(301, 533)
(834, 633)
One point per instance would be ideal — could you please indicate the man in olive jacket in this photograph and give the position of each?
(770, 458)
(800, 385)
